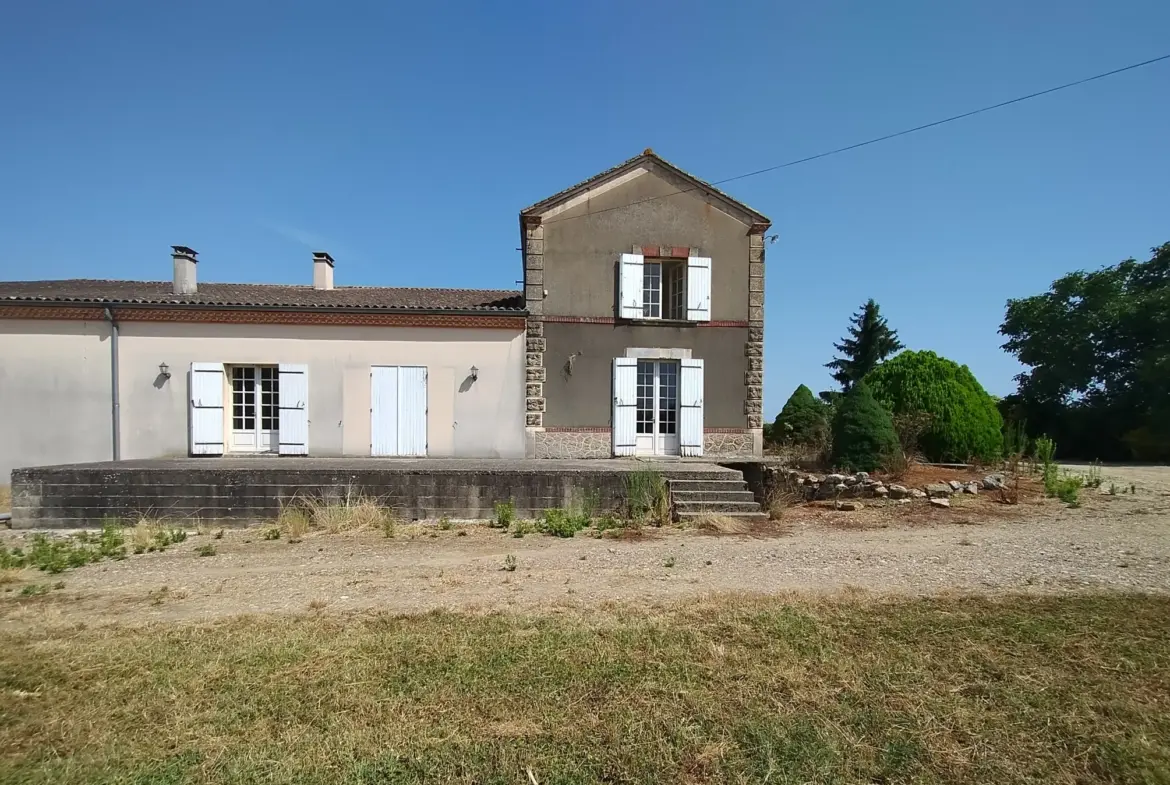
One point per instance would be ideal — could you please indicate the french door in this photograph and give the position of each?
(657, 408)
(255, 408)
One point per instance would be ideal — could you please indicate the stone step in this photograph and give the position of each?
(748, 517)
(712, 505)
(717, 486)
(713, 496)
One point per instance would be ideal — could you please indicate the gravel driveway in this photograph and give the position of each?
(1112, 542)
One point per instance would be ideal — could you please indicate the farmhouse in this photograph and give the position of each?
(639, 331)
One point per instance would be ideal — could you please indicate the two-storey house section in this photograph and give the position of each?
(644, 288)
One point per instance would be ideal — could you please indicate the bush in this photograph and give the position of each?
(965, 422)
(862, 431)
(561, 523)
(803, 420)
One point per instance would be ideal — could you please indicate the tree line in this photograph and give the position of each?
(1096, 347)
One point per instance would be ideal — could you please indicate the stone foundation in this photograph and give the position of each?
(574, 444)
(598, 443)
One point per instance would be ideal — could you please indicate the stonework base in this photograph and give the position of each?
(730, 445)
(599, 444)
(573, 444)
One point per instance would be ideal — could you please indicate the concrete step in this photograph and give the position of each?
(716, 486)
(748, 517)
(688, 495)
(713, 505)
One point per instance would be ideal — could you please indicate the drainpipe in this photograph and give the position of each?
(115, 402)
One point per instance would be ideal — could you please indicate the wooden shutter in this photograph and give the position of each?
(690, 410)
(699, 289)
(625, 405)
(206, 410)
(412, 410)
(384, 410)
(294, 409)
(630, 286)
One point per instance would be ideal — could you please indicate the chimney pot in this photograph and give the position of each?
(184, 280)
(322, 270)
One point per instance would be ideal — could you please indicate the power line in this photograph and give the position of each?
(877, 139)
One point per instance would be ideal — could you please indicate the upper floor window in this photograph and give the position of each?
(668, 289)
(664, 290)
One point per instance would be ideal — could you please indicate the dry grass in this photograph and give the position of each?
(735, 689)
(720, 524)
(351, 511)
(5, 497)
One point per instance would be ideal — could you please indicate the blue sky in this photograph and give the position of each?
(404, 138)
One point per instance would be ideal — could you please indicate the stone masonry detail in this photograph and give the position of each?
(534, 301)
(753, 404)
(573, 444)
(728, 445)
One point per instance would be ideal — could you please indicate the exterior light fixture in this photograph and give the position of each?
(164, 370)
(474, 373)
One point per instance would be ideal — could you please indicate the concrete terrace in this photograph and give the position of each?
(245, 489)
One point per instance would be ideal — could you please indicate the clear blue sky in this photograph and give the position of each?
(404, 138)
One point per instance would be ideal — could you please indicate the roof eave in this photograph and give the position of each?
(135, 304)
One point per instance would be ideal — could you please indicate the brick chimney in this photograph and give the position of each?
(184, 281)
(322, 270)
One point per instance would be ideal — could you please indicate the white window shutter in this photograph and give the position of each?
(294, 409)
(384, 410)
(690, 414)
(625, 405)
(630, 286)
(412, 410)
(207, 424)
(699, 289)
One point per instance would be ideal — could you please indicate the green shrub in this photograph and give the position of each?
(1068, 489)
(271, 533)
(561, 523)
(863, 433)
(205, 550)
(802, 421)
(965, 422)
(505, 514)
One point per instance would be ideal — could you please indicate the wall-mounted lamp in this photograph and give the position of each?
(164, 370)
(474, 373)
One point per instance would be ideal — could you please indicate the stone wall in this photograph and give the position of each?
(598, 443)
(246, 490)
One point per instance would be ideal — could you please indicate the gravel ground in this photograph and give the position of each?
(1117, 542)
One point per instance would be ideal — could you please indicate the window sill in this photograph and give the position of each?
(660, 322)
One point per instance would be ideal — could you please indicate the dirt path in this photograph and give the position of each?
(1118, 542)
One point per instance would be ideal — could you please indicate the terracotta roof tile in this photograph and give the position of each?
(262, 295)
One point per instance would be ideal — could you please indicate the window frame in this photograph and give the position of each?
(664, 289)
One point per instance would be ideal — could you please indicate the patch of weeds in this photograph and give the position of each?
(444, 524)
(12, 559)
(1112, 489)
(461, 533)
(668, 562)
(1093, 478)
(509, 563)
(505, 515)
(205, 550)
(35, 590)
(1068, 488)
(608, 522)
(561, 523)
(647, 497)
(293, 521)
(271, 533)
(316, 605)
(219, 534)
(520, 527)
(1133, 489)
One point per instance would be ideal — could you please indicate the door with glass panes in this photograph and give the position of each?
(657, 414)
(255, 408)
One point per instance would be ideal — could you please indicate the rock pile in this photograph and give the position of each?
(817, 487)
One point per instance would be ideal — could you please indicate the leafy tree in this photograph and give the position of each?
(802, 420)
(863, 434)
(1097, 347)
(963, 419)
(869, 342)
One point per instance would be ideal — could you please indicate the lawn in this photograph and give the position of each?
(1025, 689)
